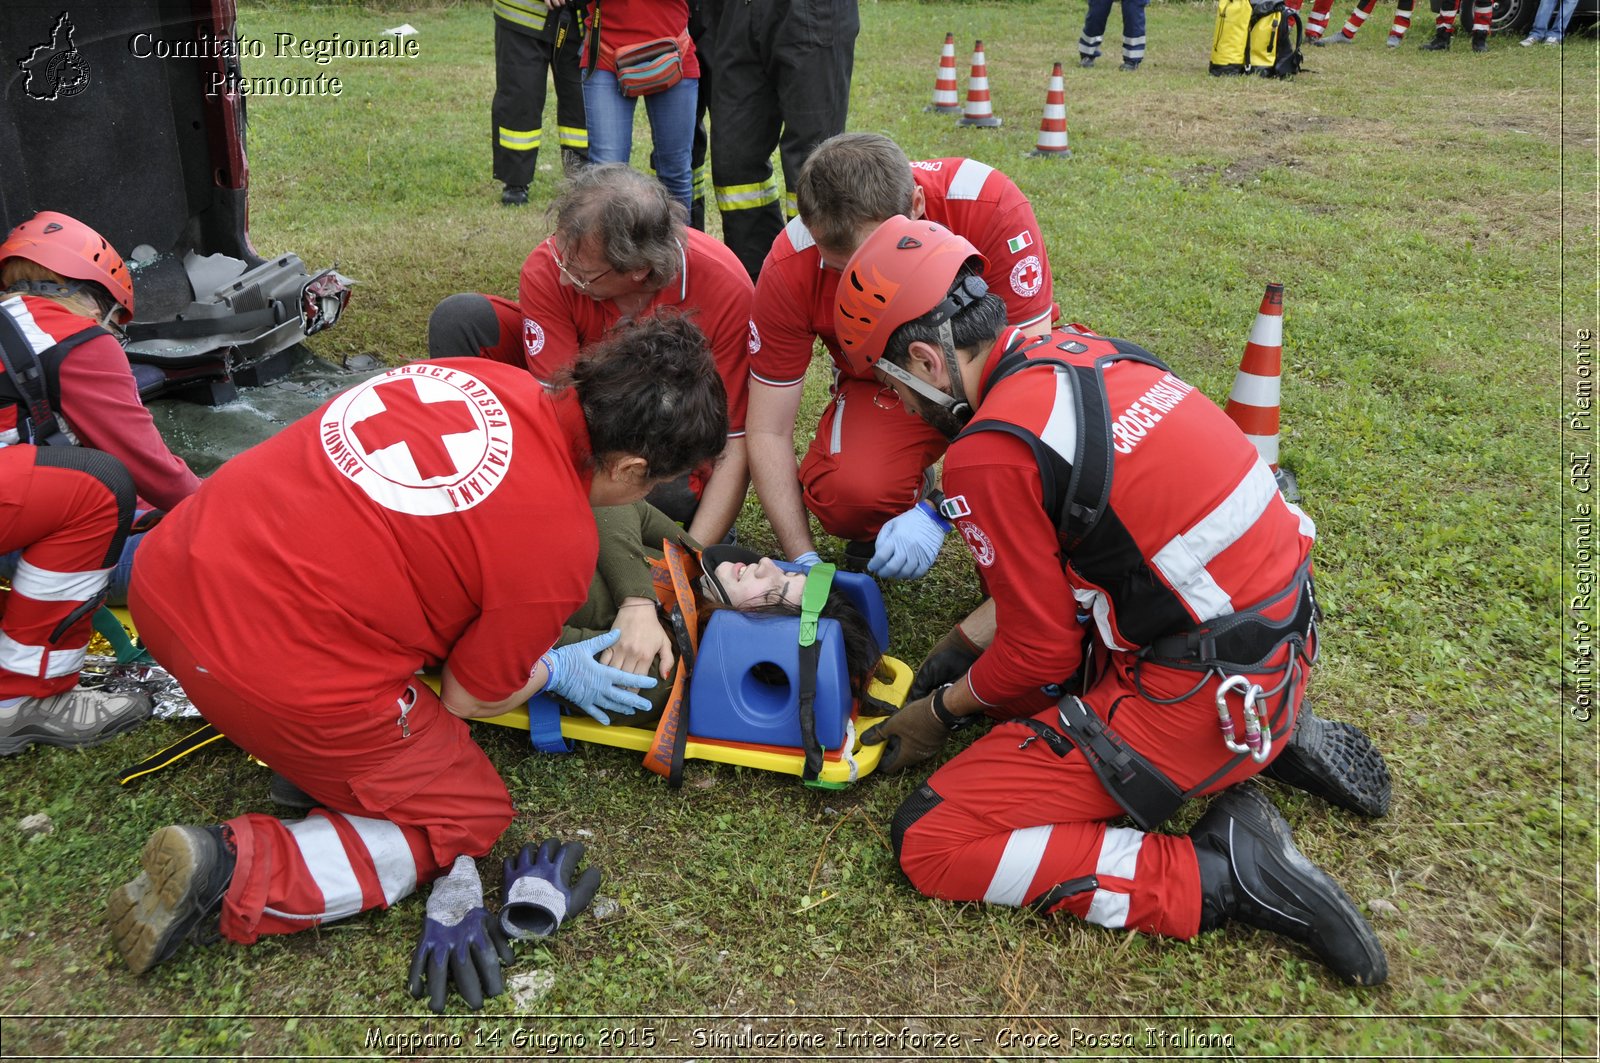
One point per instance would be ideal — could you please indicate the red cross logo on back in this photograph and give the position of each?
(423, 439)
(419, 425)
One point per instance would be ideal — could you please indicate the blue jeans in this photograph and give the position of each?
(1545, 28)
(671, 115)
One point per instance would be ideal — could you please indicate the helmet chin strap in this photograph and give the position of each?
(956, 404)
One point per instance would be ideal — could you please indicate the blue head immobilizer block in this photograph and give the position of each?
(746, 682)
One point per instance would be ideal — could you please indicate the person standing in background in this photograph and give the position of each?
(783, 81)
(613, 29)
(530, 39)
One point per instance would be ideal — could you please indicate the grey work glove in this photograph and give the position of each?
(911, 736)
(948, 661)
(460, 943)
(543, 888)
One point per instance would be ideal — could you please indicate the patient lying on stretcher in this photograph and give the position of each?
(621, 596)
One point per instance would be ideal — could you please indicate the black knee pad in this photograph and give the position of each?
(913, 808)
(111, 473)
(461, 326)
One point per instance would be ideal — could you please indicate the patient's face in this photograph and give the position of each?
(762, 583)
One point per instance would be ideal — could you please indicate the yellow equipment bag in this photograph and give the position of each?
(1262, 37)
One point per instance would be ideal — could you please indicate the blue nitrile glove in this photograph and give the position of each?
(539, 890)
(594, 687)
(460, 943)
(809, 558)
(909, 544)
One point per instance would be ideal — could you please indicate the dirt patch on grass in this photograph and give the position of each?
(1239, 172)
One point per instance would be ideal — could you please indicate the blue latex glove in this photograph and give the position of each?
(460, 943)
(909, 544)
(808, 559)
(594, 687)
(540, 891)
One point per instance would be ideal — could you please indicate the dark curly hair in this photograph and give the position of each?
(651, 389)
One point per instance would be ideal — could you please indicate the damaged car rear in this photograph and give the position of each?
(127, 115)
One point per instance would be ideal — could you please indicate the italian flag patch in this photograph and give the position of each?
(1019, 242)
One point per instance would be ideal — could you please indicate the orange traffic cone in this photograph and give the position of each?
(1053, 127)
(945, 100)
(1253, 403)
(978, 112)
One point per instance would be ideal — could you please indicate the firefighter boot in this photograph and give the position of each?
(1440, 42)
(1250, 871)
(1480, 40)
(1336, 762)
(187, 871)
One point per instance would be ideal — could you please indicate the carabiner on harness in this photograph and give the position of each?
(1257, 739)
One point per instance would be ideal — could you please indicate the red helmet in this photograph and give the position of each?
(901, 272)
(66, 246)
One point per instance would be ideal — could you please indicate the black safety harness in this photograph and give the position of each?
(30, 381)
(1076, 496)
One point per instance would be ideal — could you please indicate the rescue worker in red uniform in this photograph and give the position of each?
(66, 291)
(66, 382)
(1106, 502)
(67, 509)
(437, 515)
(867, 461)
(621, 251)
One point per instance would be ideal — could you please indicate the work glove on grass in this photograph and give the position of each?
(460, 943)
(543, 888)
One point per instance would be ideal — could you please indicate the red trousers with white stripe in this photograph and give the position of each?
(398, 807)
(865, 463)
(1317, 22)
(1007, 821)
(67, 509)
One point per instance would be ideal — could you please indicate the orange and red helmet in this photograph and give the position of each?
(67, 246)
(900, 273)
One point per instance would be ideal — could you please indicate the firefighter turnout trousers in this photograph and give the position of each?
(782, 81)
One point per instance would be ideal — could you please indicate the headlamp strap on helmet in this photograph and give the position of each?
(819, 581)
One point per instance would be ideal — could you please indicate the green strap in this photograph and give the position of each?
(819, 581)
(111, 629)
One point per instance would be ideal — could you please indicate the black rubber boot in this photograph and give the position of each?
(1480, 40)
(1439, 43)
(187, 871)
(1336, 762)
(1251, 872)
(514, 196)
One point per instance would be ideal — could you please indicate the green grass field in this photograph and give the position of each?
(1433, 220)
